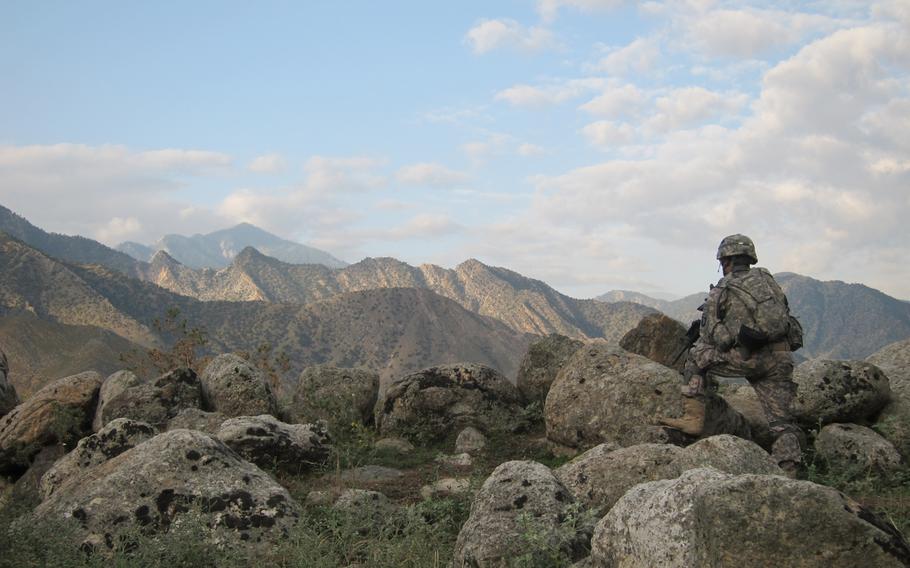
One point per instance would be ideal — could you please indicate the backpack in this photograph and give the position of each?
(758, 304)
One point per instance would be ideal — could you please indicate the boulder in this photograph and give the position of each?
(272, 444)
(894, 419)
(660, 339)
(59, 413)
(519, 497)
(839, 391)
(744, 400)
(894, 360)
(709, 518)
(197, 419)
(157, 401)
(370, 475)
(856, 450)
(445, 487)
(366, 509)
(116, 437)
(112, 386)
(337, 395)
(600, 476)
(606, 394)
(542, 362)
(233, 387)
(26, 492)
(240, 504)
(470, 440)
(457, 460)
(394, 445)
(436, 403)
(8, 397)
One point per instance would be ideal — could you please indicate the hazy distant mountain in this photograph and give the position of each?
(524, 304)
(683, 309)
(391, 330)
(840, 321)
(218, 249)
(70, 248)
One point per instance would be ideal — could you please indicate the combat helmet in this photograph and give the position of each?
(737, 245)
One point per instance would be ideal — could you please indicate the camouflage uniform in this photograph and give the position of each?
(768, 368)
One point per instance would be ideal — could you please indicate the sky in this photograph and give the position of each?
(591, 144)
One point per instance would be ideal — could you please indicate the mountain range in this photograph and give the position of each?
(68, 304)
(524, 304)
(218, 249)
(393, 330)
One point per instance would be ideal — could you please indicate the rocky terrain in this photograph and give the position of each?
(453, 467)
(217, 249)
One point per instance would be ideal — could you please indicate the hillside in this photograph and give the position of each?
(41, 350)
(682, 309)
(392, 330)
(64, 247)
(218, 249)
(524, 304)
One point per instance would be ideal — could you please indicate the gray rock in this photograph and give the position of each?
(436, 403)
(518, 497)
(396, 445)
(660, 339)
(709, 518)
(542, 362)
(368, 509)
(59, 413)
(197, 419)
(26, 492)
(606, 394)
(272, 444)
(856, 450)
(370, 474)
(240, 504)
(112, 386)
(233, 387)
(600, 476)
(157, 401)
(470, 440)
(320, 498)
(458, 460)
(445, 487)
(337, 395)
(839, 391)
(8, 397)
(894, 360)
(113, 439)
(894, 419)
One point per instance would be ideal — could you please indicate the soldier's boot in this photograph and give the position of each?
(692, 422)
(787, 452)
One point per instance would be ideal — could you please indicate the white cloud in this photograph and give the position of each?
(268, 164)
(616, 102)
(479, 151)
(555, 92)
(421, 226)
(430, 174)
(609, 134)
(119, 229)
(640, 56)
(689, 106)
(489, 35)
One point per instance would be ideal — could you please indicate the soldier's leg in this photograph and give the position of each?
(776, 391)
(694, 391)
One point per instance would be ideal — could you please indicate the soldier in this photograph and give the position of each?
(746, 331)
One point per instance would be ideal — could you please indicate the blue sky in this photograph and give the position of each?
(594, 144)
